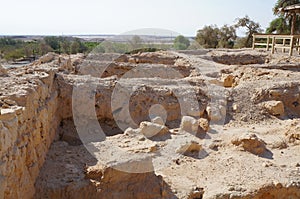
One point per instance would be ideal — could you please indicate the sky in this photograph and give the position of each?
(75, 17)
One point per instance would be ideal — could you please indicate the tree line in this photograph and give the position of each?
(12, 49)
(225, 37)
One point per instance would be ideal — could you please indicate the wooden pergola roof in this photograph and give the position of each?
(293, 10)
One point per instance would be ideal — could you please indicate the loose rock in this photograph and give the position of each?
(150, 130)
(228, 81)
(204, 124)
(190, 148)
(275, 108)
(158, 120)
(3, 71)
(251, 143)
(189, 124)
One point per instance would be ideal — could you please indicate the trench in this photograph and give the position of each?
(64, 174)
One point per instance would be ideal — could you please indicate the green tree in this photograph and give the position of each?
(279, 26)
(6, 41)
(227, 36)
(284, 21)
(251, 28)
(208, 36)
(14, 54)
(65, 46)
(53, 42)
(89, 46)
(77, 46)
(181, 43)
(44, 48)
(214, 37)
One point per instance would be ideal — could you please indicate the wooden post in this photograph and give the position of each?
(292, 45)
(253, 44)
(294, 18)
(273, 44)
(284, 42)
(298, 46)
(268, 43)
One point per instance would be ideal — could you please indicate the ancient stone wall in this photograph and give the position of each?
(28, 123)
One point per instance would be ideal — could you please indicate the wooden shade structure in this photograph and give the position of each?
(277, 41)
(292, 10)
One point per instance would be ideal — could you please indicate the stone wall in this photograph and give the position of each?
(28, 123)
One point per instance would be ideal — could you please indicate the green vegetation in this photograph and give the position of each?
(13, 49)
(225, 37)
(214, 37)
(279, 25)
(283, 23)
(208, 36)
(181, 43)
(134, 44)
(251, 28)
(143, 50)
(67, 45)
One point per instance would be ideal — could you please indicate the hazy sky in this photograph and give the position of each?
(57, 17)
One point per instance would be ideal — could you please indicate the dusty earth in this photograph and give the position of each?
(192, 124)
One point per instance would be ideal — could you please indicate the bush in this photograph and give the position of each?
(14, 54)
(181, 43)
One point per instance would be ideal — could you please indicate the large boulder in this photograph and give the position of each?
(216, 113)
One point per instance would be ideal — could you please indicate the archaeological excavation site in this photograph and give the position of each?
(200, 124)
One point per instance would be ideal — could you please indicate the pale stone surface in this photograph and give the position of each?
(189, 124)
(150, 130)
(26, 132)
(47, 58)
(3, 71)
(251, 143)
(65, 64)
(158, 120)
(275, 108)
(189, 148)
